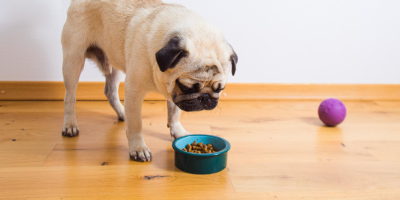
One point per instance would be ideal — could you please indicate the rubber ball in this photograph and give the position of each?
(332, 112)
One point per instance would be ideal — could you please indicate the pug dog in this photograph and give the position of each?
(161, 47)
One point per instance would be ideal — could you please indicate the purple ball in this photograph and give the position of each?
(332, 112)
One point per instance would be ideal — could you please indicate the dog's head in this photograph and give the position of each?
(196, 70)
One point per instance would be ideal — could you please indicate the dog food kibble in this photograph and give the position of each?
(200, 148)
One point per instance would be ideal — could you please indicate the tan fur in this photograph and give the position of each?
(131, 32)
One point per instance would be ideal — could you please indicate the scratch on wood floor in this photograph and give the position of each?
(153, 177)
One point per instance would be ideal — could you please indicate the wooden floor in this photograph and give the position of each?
(280, 150)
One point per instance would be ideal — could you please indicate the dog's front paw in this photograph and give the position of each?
(178, 131)
(70, 128)
(140, 153)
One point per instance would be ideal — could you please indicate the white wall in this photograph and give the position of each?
(278, 41)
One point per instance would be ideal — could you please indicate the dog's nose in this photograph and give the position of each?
(204, 97)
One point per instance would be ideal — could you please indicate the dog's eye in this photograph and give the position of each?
(186, 90)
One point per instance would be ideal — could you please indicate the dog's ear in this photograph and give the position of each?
(169, 56)
(234, 60)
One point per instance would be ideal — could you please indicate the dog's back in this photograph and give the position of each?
(103, 9)
(98, 22)
(112, 3)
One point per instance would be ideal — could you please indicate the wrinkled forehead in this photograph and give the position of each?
(210, 65)
(205, 73)
(207, 64)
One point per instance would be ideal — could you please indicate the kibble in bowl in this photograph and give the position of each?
(200, 148)
(201, 154)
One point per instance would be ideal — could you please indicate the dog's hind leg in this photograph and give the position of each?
(72, 67)
(113, 78)
(111, 91)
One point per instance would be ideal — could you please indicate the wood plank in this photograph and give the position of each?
(220, 196)
(139, 179)
(16, 153)
(299, 151)
(384, 150)
(315, 176)
(105, 153)
(14, 90)
(306, 195)
(339, 195)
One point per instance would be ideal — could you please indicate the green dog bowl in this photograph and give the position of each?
(201, 163)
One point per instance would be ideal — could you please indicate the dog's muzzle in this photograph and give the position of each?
(203, 102)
